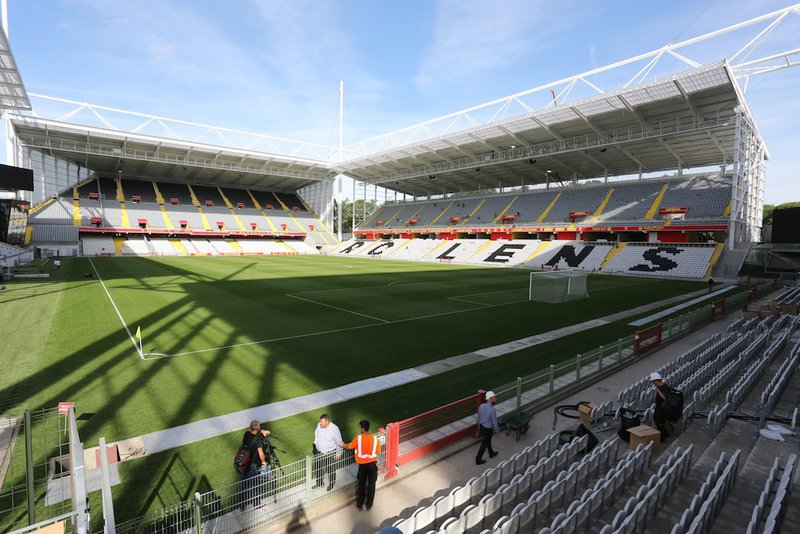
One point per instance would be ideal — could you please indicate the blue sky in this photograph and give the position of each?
(274, 67)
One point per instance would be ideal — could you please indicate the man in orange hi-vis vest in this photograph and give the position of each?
(367, 448)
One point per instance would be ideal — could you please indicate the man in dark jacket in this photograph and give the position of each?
(665, 410)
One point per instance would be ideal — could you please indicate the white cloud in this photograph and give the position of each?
(474, 36)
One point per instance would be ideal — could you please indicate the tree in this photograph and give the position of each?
(769, 208)
(347, 213)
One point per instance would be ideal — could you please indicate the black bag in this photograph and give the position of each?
(627, 419)
(241, 462)
(673, 402)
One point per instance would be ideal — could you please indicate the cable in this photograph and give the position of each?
(564, 408)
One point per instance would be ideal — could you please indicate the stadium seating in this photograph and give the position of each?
(704, 197)
(631, 202)
(667, 260)
(569, 255)
(689, 487)
(97, 246)
(160, 206)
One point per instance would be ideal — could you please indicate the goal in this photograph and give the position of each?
(557, 286)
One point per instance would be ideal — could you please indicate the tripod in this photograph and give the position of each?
(275, 463)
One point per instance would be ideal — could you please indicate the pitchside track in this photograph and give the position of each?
(225, 333)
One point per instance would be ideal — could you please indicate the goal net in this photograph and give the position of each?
(557, 286)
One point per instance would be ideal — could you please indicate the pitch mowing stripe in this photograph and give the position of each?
(125, 326)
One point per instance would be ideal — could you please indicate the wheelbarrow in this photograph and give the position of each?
(516, 421)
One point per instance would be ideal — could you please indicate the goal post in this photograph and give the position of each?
(556, 287)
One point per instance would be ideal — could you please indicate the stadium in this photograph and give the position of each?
(165, 282)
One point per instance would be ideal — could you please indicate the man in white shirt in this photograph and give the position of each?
(326, 451)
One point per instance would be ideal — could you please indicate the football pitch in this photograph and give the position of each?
(226, 333)
(222, 334)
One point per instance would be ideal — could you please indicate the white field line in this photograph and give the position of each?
(483, 306)
(392, 284)
(324, 332)
(121, 320)
(337, 308)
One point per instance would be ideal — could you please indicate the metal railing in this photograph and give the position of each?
(276, 492)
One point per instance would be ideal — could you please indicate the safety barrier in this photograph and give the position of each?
(448, 419)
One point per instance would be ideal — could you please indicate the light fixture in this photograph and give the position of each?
(513, 146)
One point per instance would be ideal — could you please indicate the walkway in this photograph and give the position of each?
(178, 436)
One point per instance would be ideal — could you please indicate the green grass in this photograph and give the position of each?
(326, 322)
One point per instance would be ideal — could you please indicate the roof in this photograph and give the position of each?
(143, 156)
(685, 120)
(12, 90)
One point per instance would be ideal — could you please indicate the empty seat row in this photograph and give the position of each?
(568, 485)
(666, 259)
(726, 372)
(701, 513)
(526, 471)
(652, 495)
(773, 390)
(753, 374)
(780, 488)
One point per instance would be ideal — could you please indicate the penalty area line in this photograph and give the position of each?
(121, 320)
(337, 308)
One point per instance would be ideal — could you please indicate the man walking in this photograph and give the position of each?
(326, 444)
(667, 406)
(247, 488)
(367, 448)
(487, 420)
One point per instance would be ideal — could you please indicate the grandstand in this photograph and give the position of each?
(162, 322)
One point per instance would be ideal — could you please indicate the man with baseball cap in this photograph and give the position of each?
(487, 419)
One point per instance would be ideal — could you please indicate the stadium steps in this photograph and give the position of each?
(468, 217)
(76, 207)
(196, 203)
(325, 230)
(118, 243)
(227, 202)
(508, 206)
(234, 245)
(264, 213)
(602, 205)
(610, 255)
(549, 207)
(123, 210)
(434, 221)
(713, 261)
(656, 203)
(289, 212)
(178, 246)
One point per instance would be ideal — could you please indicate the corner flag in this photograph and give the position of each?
(139, 337)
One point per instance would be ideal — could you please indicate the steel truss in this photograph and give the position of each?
(747, 185)
(741, 61)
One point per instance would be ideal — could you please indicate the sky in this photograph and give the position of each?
(274, 67)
